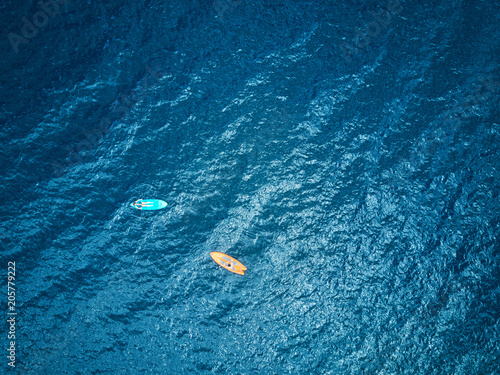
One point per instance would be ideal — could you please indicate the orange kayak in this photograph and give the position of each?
(228, 262)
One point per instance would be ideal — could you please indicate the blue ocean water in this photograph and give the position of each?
(347, 153)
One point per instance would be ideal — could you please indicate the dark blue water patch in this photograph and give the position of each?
(360, 195)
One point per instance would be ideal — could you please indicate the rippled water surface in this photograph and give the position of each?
(346, 153)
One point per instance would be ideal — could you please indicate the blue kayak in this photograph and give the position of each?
(149, 204)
